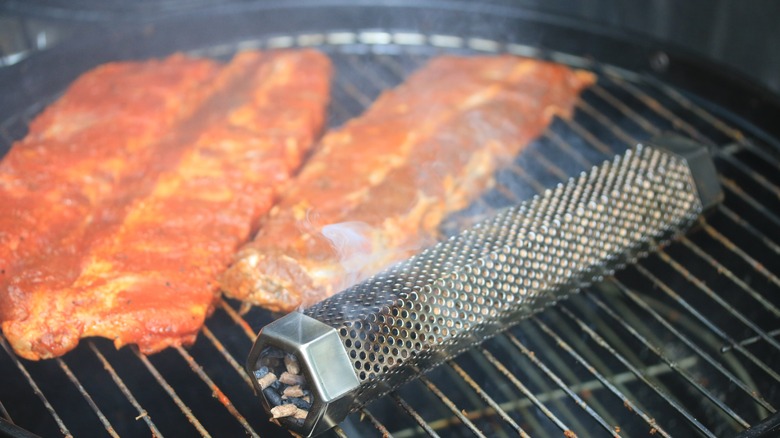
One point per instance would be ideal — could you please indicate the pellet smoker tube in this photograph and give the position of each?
(313, 368)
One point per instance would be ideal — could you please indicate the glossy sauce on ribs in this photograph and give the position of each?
(378, 188)
(137, 259)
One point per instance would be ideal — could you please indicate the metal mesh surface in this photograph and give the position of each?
(455, 294)
(684, 343)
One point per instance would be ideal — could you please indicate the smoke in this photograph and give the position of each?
(352, 242)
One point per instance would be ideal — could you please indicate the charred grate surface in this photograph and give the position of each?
(684, 343)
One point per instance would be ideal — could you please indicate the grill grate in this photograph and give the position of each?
(682, 342)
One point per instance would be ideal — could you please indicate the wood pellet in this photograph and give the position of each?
(266, 380)
(293, 391)
(291, 363)
(282, 411)
(300, 414)
(284, 386)
(292, 379)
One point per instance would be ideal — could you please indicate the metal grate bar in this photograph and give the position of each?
(709, 292)
(171, 393)
(606, 121)
(522, 174)
(412, 413)
(5, 413)
(228, 357)
(592, 370)
(760, 179)
(245, 327)
(352, 91)
(749, 228)
(548, 392)
(740, 252)
(486, 398)
(126, 391)
(218, 394)
(730, 275)
(718, 124)
(761, 153)
(367, 73)
(616, 339)
(709, 324)
(451, 406)
(748, 341)
(480, 411)
(338, 108)
(638, 373)
(72, 377)
(566, 147)
(522, 405)
(589, 354)
(549, 165)
(736, 189)
(35, 387)
(391, 65)
(752, 392)
(624, 109)
(616, 379)
(658, 351)
(539, 364)
(376, 423)
(519, 385)
(589, 137)
(339, 432)
(659, 109)
(563, 365)
(702, 114)
(445, 422)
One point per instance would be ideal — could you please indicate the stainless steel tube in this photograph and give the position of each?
(371, 338)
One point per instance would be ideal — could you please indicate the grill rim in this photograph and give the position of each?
(746, 101)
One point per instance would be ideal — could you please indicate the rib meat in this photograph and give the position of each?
(148, 250)
(77, 152)
(378, 188)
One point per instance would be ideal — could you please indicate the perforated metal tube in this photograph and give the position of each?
(375, 336)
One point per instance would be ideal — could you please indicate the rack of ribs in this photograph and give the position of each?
(131, 193)
(377, 189)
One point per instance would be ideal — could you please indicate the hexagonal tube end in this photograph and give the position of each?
(699, 160)
(326, 372)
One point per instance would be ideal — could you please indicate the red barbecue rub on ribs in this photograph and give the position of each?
(138, 262)
(77, 152)
(377, 189)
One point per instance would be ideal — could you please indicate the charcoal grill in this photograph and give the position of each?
(683, 343)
